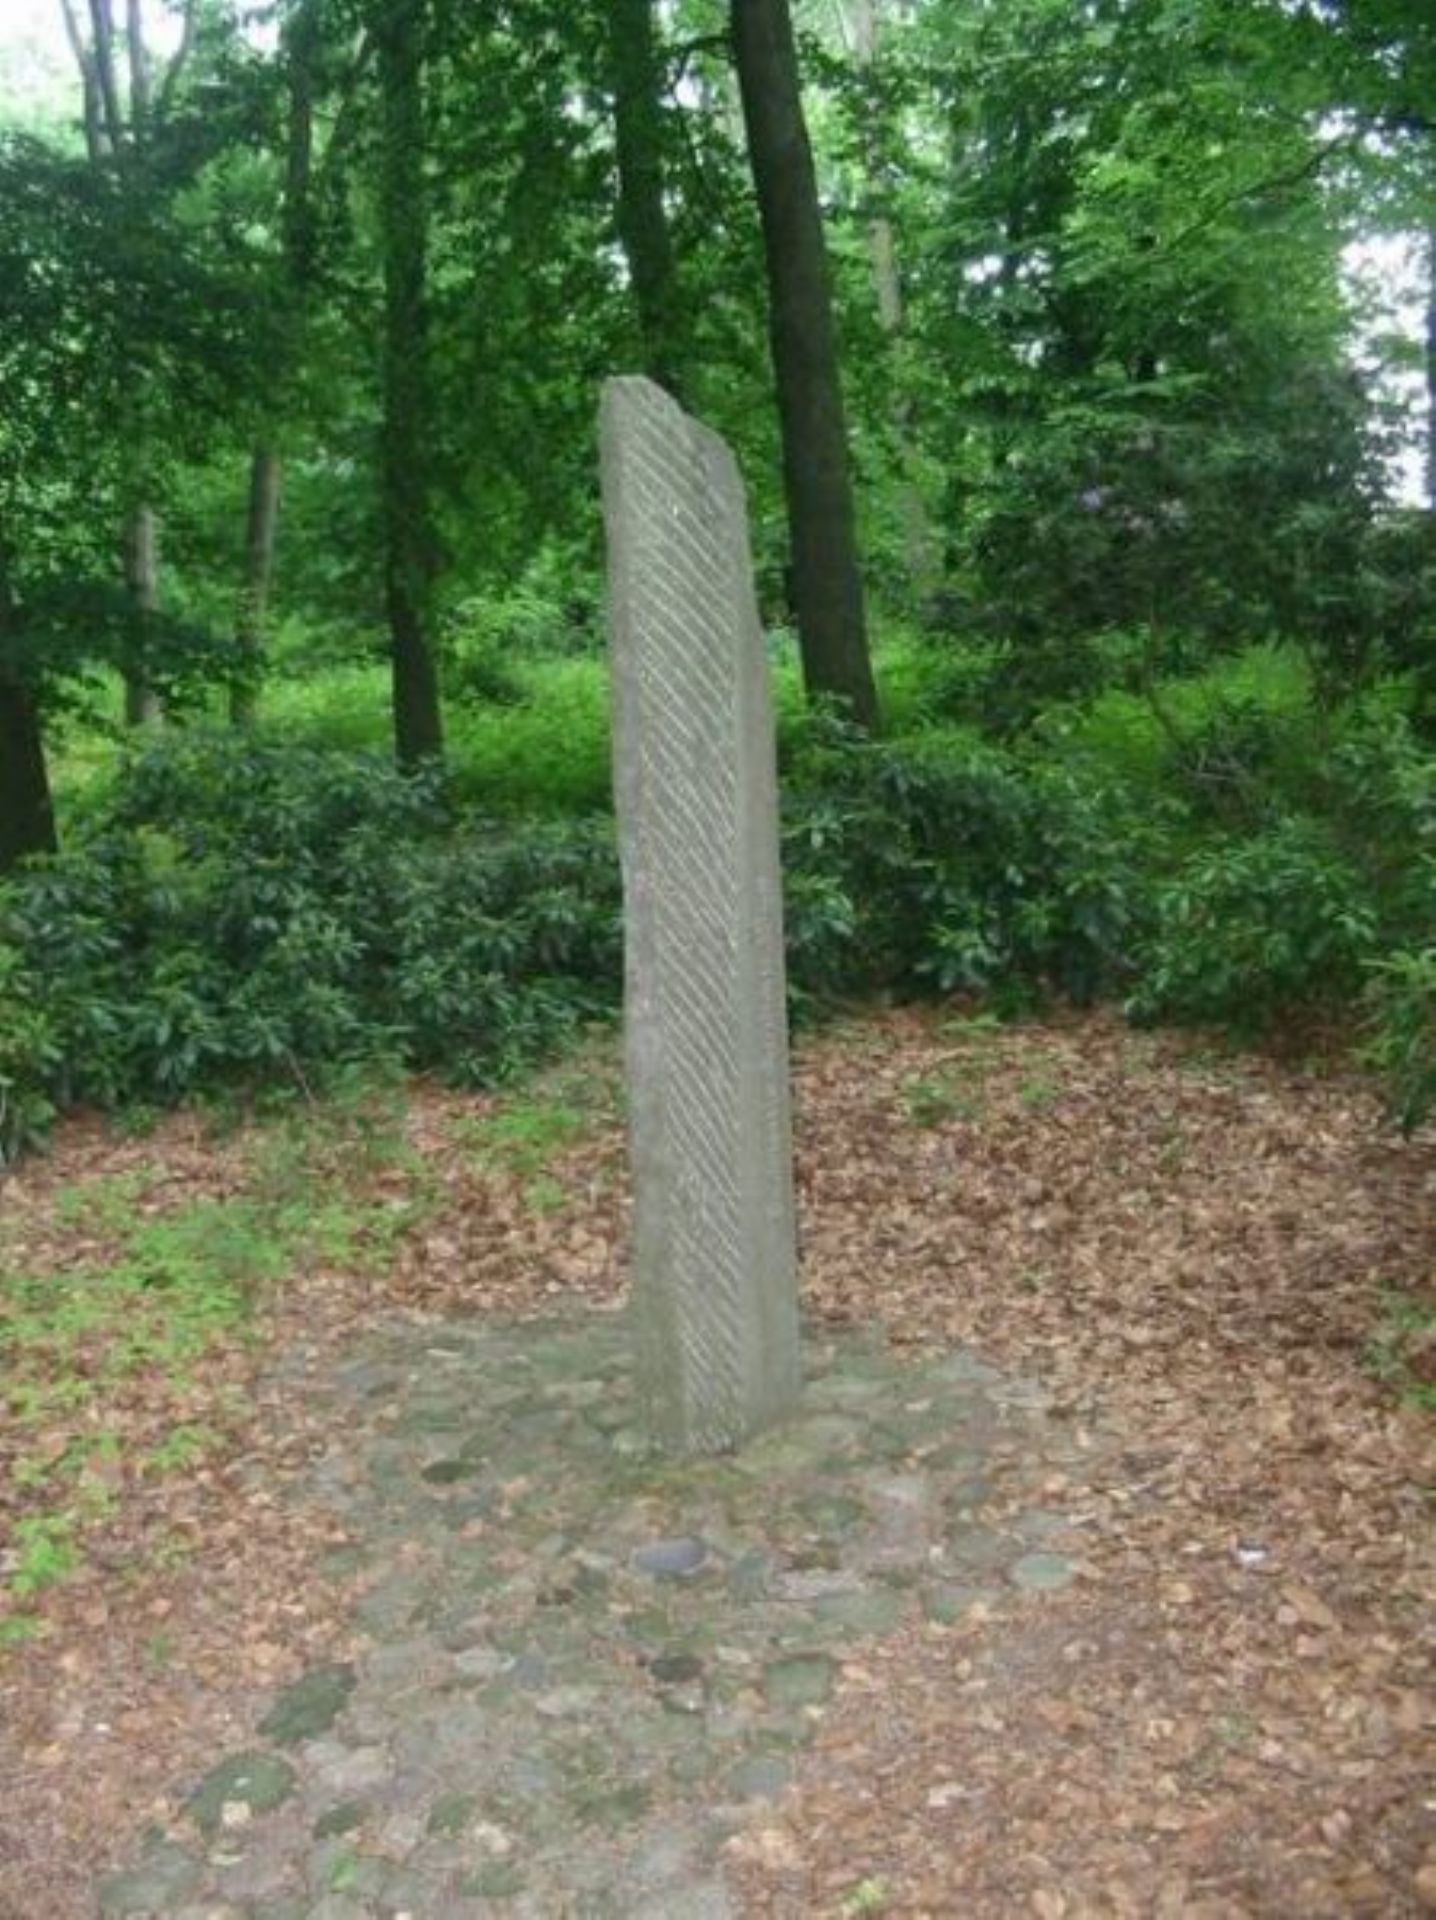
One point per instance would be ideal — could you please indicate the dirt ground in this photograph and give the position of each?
(1229, 1714)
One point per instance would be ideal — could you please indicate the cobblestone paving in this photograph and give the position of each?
(584, 1667)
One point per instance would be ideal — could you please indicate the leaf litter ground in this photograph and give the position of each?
(1229, 1713)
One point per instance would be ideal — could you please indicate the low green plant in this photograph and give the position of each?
(183, 1446)
(1252, 930)
(522, 1135)
(543, 1194)
(169, 1285)
(1038, 1091)
(1402, 1352)
(251, 914)
(942, 865)
(867, 1897)
(934, 1099)
(45, 1552)
(1401, 1042)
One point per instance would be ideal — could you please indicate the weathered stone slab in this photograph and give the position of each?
(715, 1265)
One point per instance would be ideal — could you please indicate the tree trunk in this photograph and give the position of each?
(635, 75)
(262, 525)
(827, 585)
(1431, 368)
(142, 552)
(882, 245)
(301, 45)
(918, 549)
(27, 817)
(299, 42)
(409, 545)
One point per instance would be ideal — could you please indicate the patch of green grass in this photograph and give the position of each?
(935, 1099)
(1038, 1090)
(545, 1194)
(545, 753)
(104, 1205)
(523, 1135)
(956, 1092)
(526, 1132)
(309, 1161)
(1130, 735)
(183, 1446)
(868, 1896)
(1402, 1351)
(1173, 1149)
(980, 1031)
(45, 1551)
(167, 1288)
(345, 1872)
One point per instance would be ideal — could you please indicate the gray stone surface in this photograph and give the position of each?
(255, 1781)
(165, 1876)
(577, 1704)
(715, 1262)
(1043, 1572)
(310, 1706)
(671, 1559)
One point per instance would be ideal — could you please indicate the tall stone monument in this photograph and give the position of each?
(715, 1263)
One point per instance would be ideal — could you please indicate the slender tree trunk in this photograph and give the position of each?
(102, 26)
(409, 556)
(27, 817)
(142, 560)
(262, 526)
(882, 243)
(827, 584)
(140, 78)
(300, 43)
(636, 78)
(1431, 368)
(863, 27)
(116, 130)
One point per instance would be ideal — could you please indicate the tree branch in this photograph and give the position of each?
(1258, 189)
(139, 65)
(103, 25)
(339, 133)
(84, 60)
(75, 38)
(178, 61)
(706, 43)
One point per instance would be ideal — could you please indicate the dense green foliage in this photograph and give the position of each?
(249, 911)
(234, 913)
(1158, 676)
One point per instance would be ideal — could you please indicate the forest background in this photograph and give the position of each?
(1101, 593)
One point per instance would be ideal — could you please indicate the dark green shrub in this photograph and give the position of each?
(259, 913)
(946, 864)
(1402, 1046)
(1250, 930)
(30, 1057)
(240, 915)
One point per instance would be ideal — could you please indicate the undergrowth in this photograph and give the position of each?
(101, 1356)
(1219, 848)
